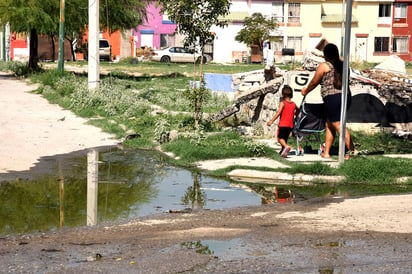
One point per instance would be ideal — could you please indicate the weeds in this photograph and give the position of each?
(375, 170)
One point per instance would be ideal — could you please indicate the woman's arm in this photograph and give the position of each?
(322, 68)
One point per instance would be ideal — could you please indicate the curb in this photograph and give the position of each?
(280, 178)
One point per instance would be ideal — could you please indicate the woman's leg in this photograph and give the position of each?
(329, 137)
(348, 140)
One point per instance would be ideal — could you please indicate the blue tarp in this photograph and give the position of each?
(219, 82)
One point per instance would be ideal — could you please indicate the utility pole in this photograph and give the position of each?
(345, 80)
(93, 55)
(61, 37)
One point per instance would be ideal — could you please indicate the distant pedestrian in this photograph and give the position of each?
(286, 111)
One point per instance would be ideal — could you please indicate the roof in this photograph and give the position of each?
(336, 18)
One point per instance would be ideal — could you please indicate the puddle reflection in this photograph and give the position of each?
(106, 186)
(109, 184)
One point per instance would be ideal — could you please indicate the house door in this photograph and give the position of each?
(361, 49)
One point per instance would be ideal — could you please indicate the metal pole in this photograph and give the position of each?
(345, 81)
(61, 37)
(342, 28)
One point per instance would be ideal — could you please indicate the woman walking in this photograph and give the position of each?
(329, 76)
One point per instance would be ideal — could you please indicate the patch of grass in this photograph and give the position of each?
(381, 141)
(316, 168)
(151, 68)
(374, 170)
(215, 146)
(3, 66)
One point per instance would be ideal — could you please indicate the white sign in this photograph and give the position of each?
(299, 79)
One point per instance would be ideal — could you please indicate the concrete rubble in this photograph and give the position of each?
(256, 101)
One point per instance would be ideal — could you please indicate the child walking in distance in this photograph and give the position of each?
(286, 111)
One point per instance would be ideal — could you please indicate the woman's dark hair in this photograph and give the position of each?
(287, 91)
(331, 54)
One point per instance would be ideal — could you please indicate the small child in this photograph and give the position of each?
(286, 111)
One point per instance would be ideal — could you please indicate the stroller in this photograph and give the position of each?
(309, 124)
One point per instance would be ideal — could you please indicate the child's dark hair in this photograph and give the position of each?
(287, 91)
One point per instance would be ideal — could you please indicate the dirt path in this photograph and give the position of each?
(32, 128)
(372, 234)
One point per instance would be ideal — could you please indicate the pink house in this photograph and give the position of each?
(157, 32)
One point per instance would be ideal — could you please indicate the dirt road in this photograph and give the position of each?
(32, 128)
(366, 235)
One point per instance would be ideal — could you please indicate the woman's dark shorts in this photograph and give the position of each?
(332, 104)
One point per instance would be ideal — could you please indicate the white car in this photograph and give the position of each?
(177, 55)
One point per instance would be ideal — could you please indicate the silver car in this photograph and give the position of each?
(177, 55)
(105, 50)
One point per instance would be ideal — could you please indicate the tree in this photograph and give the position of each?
(194, 19)
(27, 16)
(256, 29)
(42, 17)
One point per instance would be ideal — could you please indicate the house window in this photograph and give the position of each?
(167, 40)
(400, 10)
(381, 44)
(384, 10)
(295, 42)
(400, 44)
(294, 12)
(277, 45)
(277, 11)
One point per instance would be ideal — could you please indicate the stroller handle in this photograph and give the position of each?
(303, 99)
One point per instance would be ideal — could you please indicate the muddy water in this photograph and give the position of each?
(60, 193)
(107, 184)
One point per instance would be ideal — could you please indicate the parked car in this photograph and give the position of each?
(177, 55)
(105, 50)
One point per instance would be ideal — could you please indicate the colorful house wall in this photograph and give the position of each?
(158, 31)
(310, 22)
(19, 47)
(401, 29)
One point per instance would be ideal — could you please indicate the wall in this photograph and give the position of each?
(155, 26)
(404, 29)
(365, 27)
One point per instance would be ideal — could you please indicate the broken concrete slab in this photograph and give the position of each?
(392, 64)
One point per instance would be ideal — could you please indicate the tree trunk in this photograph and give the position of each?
(53, 48)
(34, 55)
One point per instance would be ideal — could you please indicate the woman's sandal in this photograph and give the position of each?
(324, 156)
